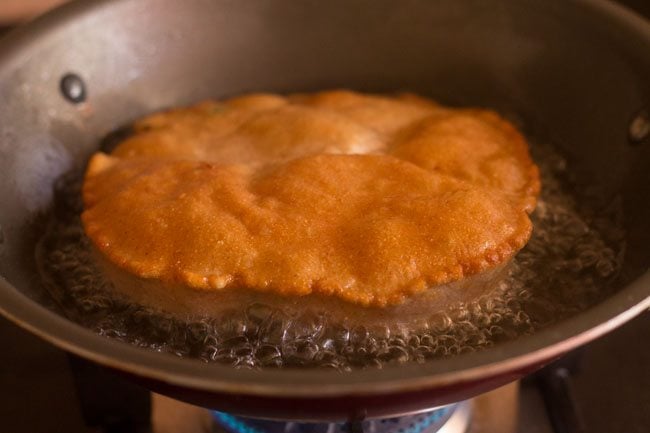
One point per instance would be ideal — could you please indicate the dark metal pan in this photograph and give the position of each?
(579, 68)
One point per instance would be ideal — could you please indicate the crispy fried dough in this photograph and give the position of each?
(369, 199)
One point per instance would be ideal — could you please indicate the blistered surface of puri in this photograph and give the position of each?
(570, 263)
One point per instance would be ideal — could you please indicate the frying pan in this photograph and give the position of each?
(579, 69)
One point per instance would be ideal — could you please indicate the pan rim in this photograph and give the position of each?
(507, 357)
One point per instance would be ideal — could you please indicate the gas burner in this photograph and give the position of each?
(472, 416)
(447, 419)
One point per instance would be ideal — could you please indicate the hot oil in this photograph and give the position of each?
(570, 263)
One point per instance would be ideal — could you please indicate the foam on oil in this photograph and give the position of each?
(572, 259)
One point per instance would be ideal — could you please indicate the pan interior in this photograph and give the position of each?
(573, 258)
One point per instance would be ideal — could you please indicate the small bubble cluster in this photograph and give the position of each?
(570, 262)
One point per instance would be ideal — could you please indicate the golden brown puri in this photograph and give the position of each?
(365, 198)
